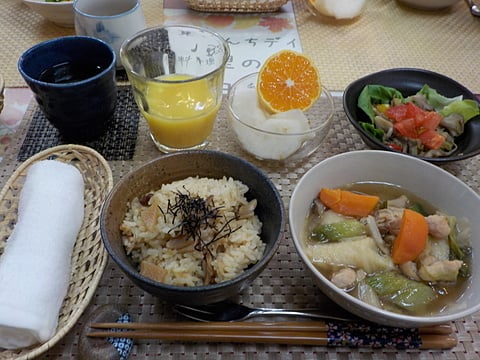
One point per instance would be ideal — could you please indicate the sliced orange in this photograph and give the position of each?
(288, 80)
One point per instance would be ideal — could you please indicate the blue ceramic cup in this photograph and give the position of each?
(73, 81)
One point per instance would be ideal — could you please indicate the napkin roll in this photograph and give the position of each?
(36, 264)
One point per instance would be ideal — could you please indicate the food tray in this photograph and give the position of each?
(241, 6)
(89, 257)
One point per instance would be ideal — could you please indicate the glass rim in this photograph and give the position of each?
(230, 108)
(29, 53)
(81, 11)
(141, 33)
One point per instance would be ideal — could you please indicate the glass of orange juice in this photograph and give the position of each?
(176, 73)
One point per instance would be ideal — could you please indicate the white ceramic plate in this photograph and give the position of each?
(60, 13)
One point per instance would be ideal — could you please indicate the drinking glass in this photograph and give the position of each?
(176, 73)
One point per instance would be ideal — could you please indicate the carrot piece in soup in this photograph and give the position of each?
(347, 202)
(412, 238)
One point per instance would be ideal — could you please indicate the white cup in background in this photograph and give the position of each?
(109, 20)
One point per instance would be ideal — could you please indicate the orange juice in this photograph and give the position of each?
(180, 115)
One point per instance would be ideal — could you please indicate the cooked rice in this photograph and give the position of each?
(149, 233)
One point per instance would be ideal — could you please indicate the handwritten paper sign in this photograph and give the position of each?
(252, 37)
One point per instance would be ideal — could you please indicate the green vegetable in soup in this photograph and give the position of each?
(418, 208)
(339, 230)
(393, 287)
(458, 252)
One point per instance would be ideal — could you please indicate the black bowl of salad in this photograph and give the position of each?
(414, 111)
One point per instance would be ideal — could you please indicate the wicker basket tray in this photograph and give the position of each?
(89, 257)
(243, 6)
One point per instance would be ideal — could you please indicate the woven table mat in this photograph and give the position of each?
(386, 35)
(118, 143)
(284, 283)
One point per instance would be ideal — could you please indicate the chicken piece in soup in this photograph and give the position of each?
(389, 248)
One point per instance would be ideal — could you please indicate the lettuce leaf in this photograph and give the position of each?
(376, 94)
(467, 108)
(377, 133)
(434, 99)
(447, 106)
(372, 95)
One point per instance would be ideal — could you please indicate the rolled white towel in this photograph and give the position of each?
(36, 264)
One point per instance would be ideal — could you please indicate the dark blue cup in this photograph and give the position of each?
(73, 81)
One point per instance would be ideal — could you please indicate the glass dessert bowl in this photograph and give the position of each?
(286, 136)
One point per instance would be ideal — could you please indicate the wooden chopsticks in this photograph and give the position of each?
(294, 332)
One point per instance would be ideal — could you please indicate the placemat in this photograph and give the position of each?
(119, 140)
(22, 28)
(284, 283)
(386, 35)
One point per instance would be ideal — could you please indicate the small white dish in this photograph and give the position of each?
(60, 13)
(338, 9)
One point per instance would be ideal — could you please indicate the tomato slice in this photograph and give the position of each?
(397, 112)
(431, 139)
(404, 111)
(413, 122)
(431, 120)
(407, 127)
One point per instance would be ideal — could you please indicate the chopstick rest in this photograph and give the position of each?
(110, 348)
(36, 264)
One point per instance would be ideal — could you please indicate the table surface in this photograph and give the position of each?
(285, 282)
(386, 35)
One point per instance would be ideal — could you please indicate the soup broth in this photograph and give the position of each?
(444, 293)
